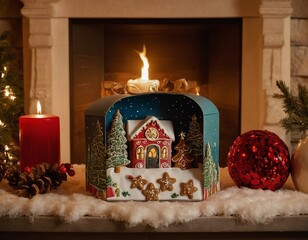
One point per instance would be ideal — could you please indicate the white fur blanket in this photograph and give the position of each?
(71, 202)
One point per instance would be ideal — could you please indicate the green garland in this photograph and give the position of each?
(296, 108)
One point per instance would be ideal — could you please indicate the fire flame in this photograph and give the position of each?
(146, 65)
(142, 84)
(38, 107)
(198, 91)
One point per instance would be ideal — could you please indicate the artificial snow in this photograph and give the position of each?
(71, 202)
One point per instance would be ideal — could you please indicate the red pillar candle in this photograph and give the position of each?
(39, 139)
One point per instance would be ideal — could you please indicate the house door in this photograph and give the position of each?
(152, 157)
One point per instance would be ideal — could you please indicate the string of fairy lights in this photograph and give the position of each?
(8, 92)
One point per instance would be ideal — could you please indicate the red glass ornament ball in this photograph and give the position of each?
(259, 159)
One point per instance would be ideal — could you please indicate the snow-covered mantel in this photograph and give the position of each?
(265, 50)
(70, 209)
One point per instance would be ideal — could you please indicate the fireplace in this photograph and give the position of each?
(262, 54)
(193, 52)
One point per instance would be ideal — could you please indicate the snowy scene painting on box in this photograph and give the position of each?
(152, 147)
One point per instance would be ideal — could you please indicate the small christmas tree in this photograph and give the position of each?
(97, 166)
(109, 181)
(195, 139)
(296, 107)
(209, 171)
(183, 158)
(116, 143)
(11, 102)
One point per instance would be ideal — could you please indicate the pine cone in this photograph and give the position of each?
(25, 185)
(13, 178)
(39, 180)
(55, 175)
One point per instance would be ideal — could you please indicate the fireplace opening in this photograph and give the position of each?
(198, 56)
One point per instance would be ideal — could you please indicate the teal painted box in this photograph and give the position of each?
(155, 146)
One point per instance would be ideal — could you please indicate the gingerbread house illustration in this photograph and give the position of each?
(150, 142)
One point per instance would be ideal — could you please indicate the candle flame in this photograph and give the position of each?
(198, 91)
(146, 65)
(38, 107)
(142, 84)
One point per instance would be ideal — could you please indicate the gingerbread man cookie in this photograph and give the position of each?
(188, 189)
(151, 193)
(138, 182)
(166, 182)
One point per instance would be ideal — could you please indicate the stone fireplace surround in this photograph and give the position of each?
(265, 50)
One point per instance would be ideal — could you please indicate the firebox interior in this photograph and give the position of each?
(204, 52)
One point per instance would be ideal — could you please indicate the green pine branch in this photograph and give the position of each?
(296, 108)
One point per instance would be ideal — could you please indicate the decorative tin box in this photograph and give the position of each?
(155, 146)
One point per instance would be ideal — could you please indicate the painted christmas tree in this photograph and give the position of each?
(109, 182)
(195, 139)
(183, 158)
(97, 166)
(116, 143)
(209, 172)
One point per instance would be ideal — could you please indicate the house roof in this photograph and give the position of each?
(134, 127)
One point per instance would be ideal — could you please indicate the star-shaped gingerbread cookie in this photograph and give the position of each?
(151, 193)
(138, 182)
(166, 182)
(188, 189)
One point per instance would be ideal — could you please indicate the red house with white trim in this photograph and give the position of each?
(150, 142)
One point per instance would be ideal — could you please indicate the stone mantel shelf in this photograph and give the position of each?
(48, 224)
